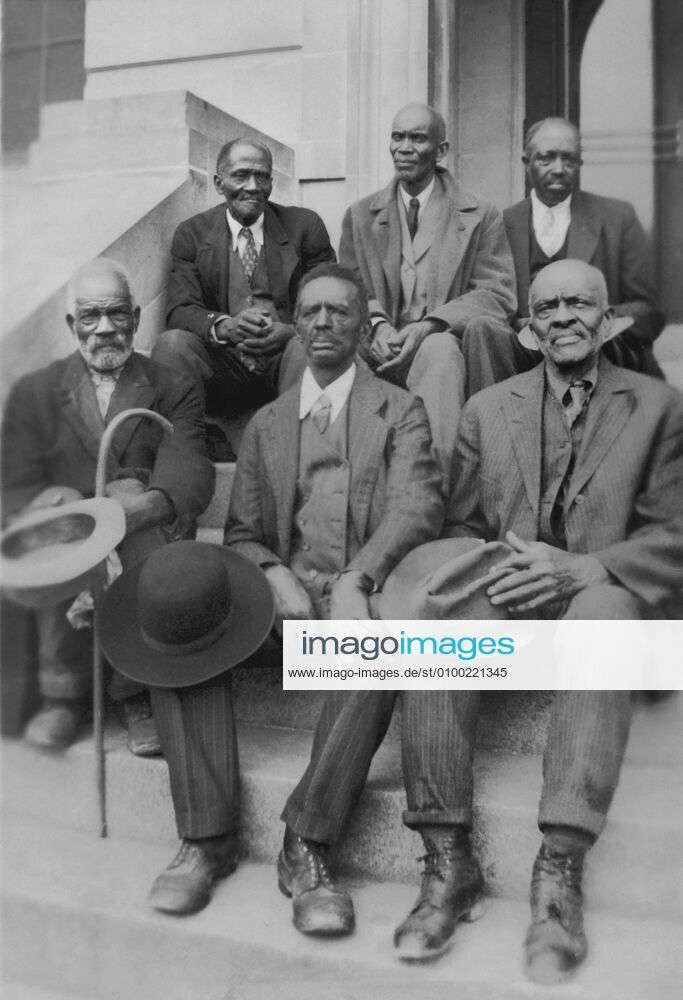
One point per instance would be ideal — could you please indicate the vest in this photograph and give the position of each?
(241, 294)
(320, 538)
(559, 447)
(416, 256)
(538, 259)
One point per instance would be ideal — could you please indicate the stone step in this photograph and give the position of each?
(642, 838)
(21, 991)
(75, 921)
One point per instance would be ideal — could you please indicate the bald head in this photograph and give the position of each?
(578, 272)
(102, 314)
(418, 142)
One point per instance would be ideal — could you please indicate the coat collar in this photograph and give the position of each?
(584, 229)
(463, 201)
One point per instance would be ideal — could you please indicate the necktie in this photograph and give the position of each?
(249, 254)
(574, 399)
(104, 390)
(412, 216)
(320, 412)
(550, 237)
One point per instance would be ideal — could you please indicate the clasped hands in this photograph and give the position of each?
(537, 574)
(395, 348)
(348, 597)
(254, 333)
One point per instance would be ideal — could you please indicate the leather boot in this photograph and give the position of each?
(452, 887)
(319, 906)
(555, 943)
(187, 884)
(56, 724)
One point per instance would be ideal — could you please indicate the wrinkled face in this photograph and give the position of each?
(329, 322)
(568, 315)
(245, 181)
(104, 321)
(416, 147)
(553, 162)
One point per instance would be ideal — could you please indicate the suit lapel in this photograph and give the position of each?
(215, 255)
(281, 257)
(79, 405)
(386, 234)
(281, 459)
(518, 226)
(608, 412)
(133, 389)
(584, 231)
(429, 223)
(523, 409)
(367, 439)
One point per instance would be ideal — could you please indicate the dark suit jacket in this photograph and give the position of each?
(473, 273)
(606, 233)
(52, 429)
(624, 502)
(295, 241)
(395, 492)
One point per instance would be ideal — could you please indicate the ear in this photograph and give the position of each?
(71, 323)
(525, 159)
(442, 149)
(218, 184)
(606, 324)
(136, 318)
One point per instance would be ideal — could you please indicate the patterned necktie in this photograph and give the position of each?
(550, 237)
(320, 412)
(249, 254)
(412, 217)
(574, 399)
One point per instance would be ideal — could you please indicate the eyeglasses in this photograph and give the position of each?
(90, 320)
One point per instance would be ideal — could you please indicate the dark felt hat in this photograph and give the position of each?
(189, 612)
(444, 579)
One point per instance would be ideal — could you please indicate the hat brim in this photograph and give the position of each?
(398, 596)
(50, 554)
(527, 338)
(249, 620)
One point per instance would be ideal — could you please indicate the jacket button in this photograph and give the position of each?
(580, 498)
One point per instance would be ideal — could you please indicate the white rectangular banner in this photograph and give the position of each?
(479, 655)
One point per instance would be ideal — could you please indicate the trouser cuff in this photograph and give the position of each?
(416, 819)
(311, 826)
(212, 823)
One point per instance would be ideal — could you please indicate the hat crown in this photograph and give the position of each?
(183, 596)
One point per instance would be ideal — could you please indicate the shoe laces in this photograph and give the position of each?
(317, 864)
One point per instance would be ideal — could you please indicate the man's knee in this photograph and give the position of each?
(486, 328)
(439, 348)
(604, 600)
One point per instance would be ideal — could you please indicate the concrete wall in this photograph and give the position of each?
(617, 105)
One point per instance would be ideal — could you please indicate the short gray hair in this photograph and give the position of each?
(534, 129)
(100, 265)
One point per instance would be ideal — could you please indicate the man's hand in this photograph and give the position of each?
(536, 574)
(271, 341)
(380, 349)
(291, 600)
(251, 322)
(143, 508)
(405, 343)
(349, 598)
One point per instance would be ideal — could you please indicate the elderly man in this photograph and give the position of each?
(52, 427)
(578, 466)
(232, 288)
(438, 270)
(559, 221)
(335, 483)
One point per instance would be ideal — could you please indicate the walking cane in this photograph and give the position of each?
(97, 592)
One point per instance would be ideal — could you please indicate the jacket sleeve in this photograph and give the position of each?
(413, 507)
(182, 469)
(491, 287)
(351, 255)
(25, 471)
(186, 308)
(315, 246)
(244, 527)
(649, 562)
(464, 515)
(637, 296)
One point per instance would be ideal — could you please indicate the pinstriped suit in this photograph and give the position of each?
(395, 504)
(623, 505)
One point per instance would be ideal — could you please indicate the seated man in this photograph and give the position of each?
(334, 484)
(437, 267)
(52, 427)
(234, 274)
(559, 221)
(578, 466)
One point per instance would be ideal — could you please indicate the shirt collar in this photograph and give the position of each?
(422, 197)
(559, 385)
(236, 227)
(561, 211)
(337, 392)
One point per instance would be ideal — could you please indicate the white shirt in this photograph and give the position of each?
(105, 383)
(541, 216)
(337, 392)
(236, 227)
(422, 197)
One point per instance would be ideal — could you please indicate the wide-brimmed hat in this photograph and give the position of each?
(189, 612)
(527, 337)
(444, 579)
(55, 552)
